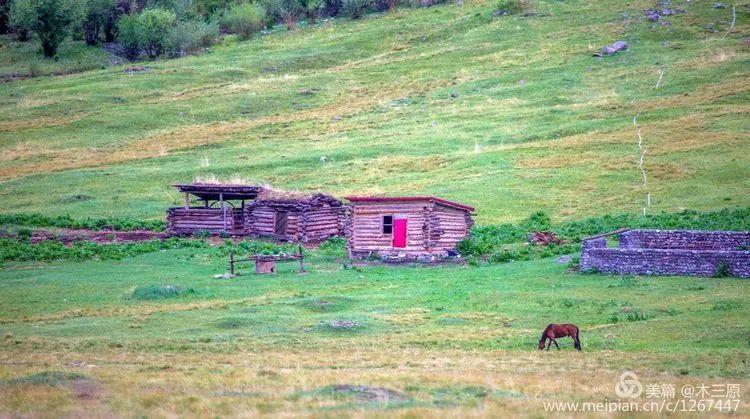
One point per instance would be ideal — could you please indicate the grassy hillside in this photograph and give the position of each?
(510, 114)
(156, 335)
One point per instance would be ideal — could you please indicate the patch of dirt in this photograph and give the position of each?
(370, 394)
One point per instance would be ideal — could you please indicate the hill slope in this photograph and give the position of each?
(509, 114)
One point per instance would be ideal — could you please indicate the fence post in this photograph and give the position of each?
(301, 259)
(231, 263)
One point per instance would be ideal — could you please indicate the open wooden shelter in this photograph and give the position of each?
(409, 228)
(253, 210)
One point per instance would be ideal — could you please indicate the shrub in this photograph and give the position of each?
(512, 7)
(128, 29)
(147, 31)
(66, 221)
(154, 26)
(723, 270)
(156, 292)
(354, 9)
(190, 36)
(49, 20)
(244, 19)
(98, 15)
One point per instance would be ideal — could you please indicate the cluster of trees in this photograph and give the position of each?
(168, 27)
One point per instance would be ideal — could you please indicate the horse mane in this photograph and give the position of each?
(544, 332)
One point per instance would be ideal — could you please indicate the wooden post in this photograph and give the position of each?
(223, 210)
(301, 259)
(231, 263)
(187, 200)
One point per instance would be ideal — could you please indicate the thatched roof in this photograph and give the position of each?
(213, 191)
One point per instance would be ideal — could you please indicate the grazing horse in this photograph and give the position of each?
(559, 331)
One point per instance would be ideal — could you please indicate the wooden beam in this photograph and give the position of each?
(187, 200)
(223, 210)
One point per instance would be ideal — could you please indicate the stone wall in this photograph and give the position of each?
(658, 252)
(685, 239)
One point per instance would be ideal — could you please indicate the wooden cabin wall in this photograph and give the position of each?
(448, 226)
(187, 221)
(260, 221)
(322, 222)
(366, 234)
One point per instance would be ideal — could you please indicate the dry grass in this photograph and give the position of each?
(256, 382)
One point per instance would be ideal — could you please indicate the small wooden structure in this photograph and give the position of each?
(266, 264)
(252, 210)
(406, 228)
(220, 208)
(307, 219)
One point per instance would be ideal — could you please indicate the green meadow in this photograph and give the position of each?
(509, 114)
(158, 335)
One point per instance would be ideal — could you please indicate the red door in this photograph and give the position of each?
(399, 232)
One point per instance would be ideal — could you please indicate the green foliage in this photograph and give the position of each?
(98, 16)
(157, 292)
(354, 9)
(513, 7)
(257, 247)
(723, 270)
(244, 19)
(128, 29)
(49, 20)
(334, 246)
(191, 36)
(154, 26)
(148, 31)
(20, 250)
(66, 221)
(50, 378)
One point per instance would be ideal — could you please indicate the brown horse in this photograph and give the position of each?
(559, 331)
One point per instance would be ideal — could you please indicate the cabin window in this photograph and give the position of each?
(387, 224)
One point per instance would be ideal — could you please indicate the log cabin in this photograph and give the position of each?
(422, 228)
(253, 210)
(306, 219)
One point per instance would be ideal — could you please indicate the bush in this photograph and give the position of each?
(244, 19)
(354, 9)
(154, 26)
(156, 292)
(49, 20)
(513, 7)
(22, 250)
(147, 31)
(723, 270)
(190, 36)
(128, 29)
(97, 17)
(66, 221)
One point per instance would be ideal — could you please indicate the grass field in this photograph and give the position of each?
(96, 338)
(509, 114)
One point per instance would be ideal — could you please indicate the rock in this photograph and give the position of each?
(564, 260)
(135, 69)
(224, 276)
(719, 6)
(500, 12)
(613, 48)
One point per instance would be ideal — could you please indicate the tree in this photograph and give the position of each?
(49, 20)
(98, 15)
(154, 26)
(146, 31)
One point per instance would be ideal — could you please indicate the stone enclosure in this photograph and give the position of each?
(670, 252)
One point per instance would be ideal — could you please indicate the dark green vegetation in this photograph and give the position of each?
(510, 114)
(66, 221)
